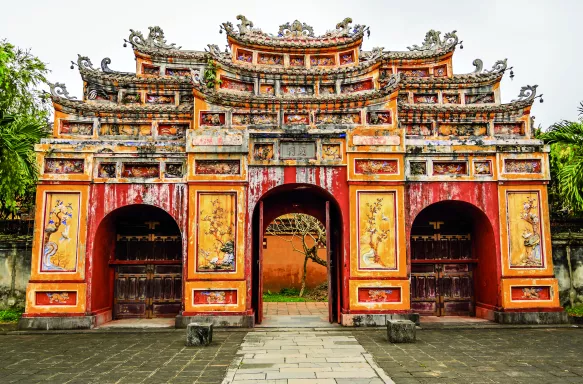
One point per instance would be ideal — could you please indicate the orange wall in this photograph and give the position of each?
(282, 267)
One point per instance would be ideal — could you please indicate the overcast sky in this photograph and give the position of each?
(541, 39)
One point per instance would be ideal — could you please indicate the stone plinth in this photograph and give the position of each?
(199, 334)
(401, 331)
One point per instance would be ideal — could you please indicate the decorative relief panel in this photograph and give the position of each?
(56, 298)
(269, 59)
(509, 129)
(114, 129)
(418, 129)
(450, 168)
(463, 129)
(76, 128)
(159, 99)
(480, 98)
(424, 98)
(254, 119)
(151, 70)
(403, 98)
(217, 167)
(379, 117)
(236, 85)
(451, 98)
(522, 166)
(365, 85)
(346, 57)
(440, 71)
(131, 98)
(244, 56)
(372, 167)
(418, 168)
(169, 130)
(483, 168)
(64, 166)
(322, 60)
(216, 232)
(524, 230)
(414, 72)
(60, 232)
(140, 170)
(376, 220)
(178, 72)
(379, 295)
(530, 293)
(214, 296)
(106, 170)
(186, 98)
(267, 89)
(174, 170)
(327, 89)
(296, 119)
(331, 152)
(214, 119)
(297, 90)
(338, 118)
(263, 152)
(297, 61)
(298, 150)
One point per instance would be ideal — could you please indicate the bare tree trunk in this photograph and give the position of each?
(304, 275)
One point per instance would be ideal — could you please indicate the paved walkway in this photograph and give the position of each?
(295, 309)
(303, 357)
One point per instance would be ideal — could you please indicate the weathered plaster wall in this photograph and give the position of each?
(15, 262)
(568, 277)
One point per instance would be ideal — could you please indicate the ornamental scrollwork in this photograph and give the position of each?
(60, 90)
(295, 29)
(195, 76)
(343, 29)
(499, 67)
(527, 93)
(376, 53)
(83, 62)
(434, 42)
(155, 39)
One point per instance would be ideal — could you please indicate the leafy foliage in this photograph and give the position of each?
(210, 75)
(566, 162)
(24, 114)
(575, 311)
(10, 315)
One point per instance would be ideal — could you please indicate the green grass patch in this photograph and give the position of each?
(575, 311)
(286, 295)
(10, 315)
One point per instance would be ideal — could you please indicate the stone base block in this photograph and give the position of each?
(199, 334)
(401, 331)
(54, 323)
(376, 320)
(531, 317)
(218, 321)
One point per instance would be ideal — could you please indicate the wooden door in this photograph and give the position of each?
(166, 290)
(456, 289)
(425, 289)
(260, 267)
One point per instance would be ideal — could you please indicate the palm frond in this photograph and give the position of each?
(570, 178)
(564, 132)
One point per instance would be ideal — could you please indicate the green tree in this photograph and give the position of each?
(24, 116)
(566, 162)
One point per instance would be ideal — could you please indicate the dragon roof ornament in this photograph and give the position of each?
(295, 29)
(434, 42)
(499, 67)
(155, 39)
(60, 90)
(527, 93)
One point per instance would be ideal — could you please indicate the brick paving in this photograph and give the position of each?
(106, 357)
(291, 309)
(480, 355)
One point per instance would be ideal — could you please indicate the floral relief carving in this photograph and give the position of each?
(263, 152)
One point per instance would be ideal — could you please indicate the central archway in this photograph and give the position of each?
(310, 200)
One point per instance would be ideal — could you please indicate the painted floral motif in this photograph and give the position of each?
(418, 130)
(58, 298)
(140, 170)
(415, 72)
(178, 71)
(425, 99)
(297, 90)
(131, 98)
(125, 129)
(357, 87)
(531, 293)
(64, 166)
(327, 89)
(510, 129)
(254, 119)
(212, 119)
(75, 128)
(418, 168)
(263, 152)
(296, 119)
(150, 70)
(270, 59)
(482, 168)
(106, 170)
(379, 295)
(297, 61)
(61, 221)
(337, 118)
(244, 56)
(371, 167)
(174, 130)
(173, 170)
(480, 98)
(331, 152)
(159, 99)
(450, 168)
(451, 98)
(346, 58)
(186, 98)
(215, 297)
(217, 167)
(236, 85)
(522, 166)
(440, 71)
(322, 61)
(375, 217)
(531, 235)
(403, 98)
(463, 129)
(216, 234)
(379, 117)
(266, 89)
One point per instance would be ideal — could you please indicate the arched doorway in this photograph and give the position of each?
(137, 263)
(305, 199)
(453, 260)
